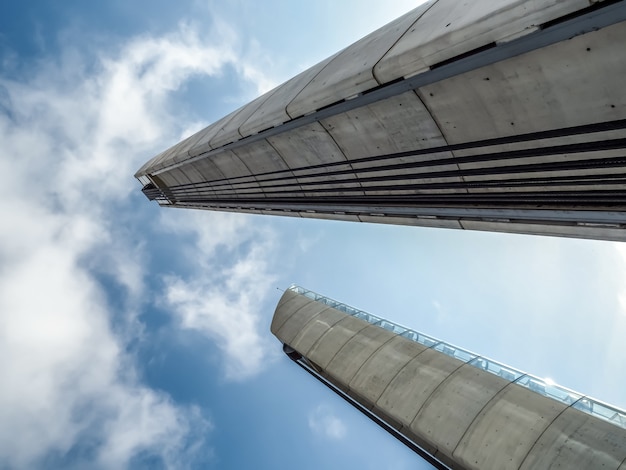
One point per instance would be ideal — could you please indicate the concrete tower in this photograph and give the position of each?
(504, 116)
(455, 408)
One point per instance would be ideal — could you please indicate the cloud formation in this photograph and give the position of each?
(73, 132)
(323, 422)
(224, 304)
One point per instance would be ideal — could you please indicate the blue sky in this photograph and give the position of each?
(138, 337)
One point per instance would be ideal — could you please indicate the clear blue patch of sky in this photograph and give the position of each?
(32, 29)
(208, 99)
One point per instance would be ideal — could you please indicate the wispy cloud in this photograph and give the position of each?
(222, 299)
(324, 422)
(73, 131)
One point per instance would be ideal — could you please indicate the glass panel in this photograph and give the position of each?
(387, 325)
(602, 411)
(366, 316)
(549, 390)
(455, 352)
(352, 311)
(419, 338)
(495, 368)
(562, 394)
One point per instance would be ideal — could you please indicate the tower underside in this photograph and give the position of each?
(505, 119)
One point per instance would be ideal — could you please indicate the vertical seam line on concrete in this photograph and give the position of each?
(239, 111)
(309, 82)
(304, 353)
(398, 40)
(329, 330)
(290, 316)
(557, 33)
(366, 360)
(622, 464)
(499, 392)
(345, 157)
(347, 382)
(448, 377)
(298, 311)
(443, 136)
(434, 390)
(541, 434)
(269, 95)
(242, 160)
(325, 333)
(289, 169)
(221, 128)
(401, 369)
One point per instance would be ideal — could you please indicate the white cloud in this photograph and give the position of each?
(323, 422)
(225, 304)
(73, 131)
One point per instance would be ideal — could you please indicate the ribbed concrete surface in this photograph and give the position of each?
(463, 415)
(400, 159)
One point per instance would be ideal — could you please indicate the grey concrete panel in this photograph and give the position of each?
(229, 131)
(382, 366)
(408, 180)
(571, 231)
(201, 145)
(146, 167)
(290, 329)
(281, 213)
(397, 124)
(350, 72)
(351, 357)
(217, 128)
(288, 305)
(578, 440)
(192, 173)
(454, 405)
(179, 152)
(412, 386)
(451, 28)
(169, 179)
(414, 221)
(230, 164)
(535, 91)
(333, 340)
(304, 176)
(339, 217)
(208, 170)
(273, 111)
(261, 157)
(315, 329)
(308, 145)
(163, 158)
(184, 151)
(539, 145)
(507, 428)
(177, 175)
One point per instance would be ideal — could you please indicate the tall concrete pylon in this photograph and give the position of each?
(455, 408)
(504, 116)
